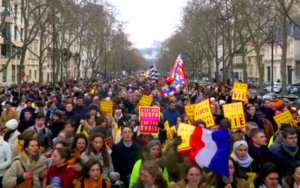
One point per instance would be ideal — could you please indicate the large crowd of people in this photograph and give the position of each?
(56, 136)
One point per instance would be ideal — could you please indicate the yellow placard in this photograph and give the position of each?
(106, 107)
(190, 111)
(239, 91)
(169, 130)
(235, 112)
(185, 131)
(92, 91)
(203, 112)
(145, 101)
(284, 117)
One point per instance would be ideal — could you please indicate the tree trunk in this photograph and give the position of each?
(78, 71)
(260, 67)
(283, 55)
(244, 64)
(40, 70)
(22, 60)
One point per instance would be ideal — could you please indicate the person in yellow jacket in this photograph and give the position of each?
(113, 129)
(152, 154)
(8, 114)
(87, 125)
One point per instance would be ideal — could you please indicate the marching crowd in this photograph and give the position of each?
(56, 136)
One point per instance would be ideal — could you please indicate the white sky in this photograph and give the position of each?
(149, 20)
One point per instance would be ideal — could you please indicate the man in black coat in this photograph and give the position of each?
(252, 117)
(27, 122)
(125, 154)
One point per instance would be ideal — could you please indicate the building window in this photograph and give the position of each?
(35, 74)
(13, 73)
(29, 74)
(4, 74)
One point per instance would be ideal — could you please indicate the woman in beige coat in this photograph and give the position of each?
(29, 164)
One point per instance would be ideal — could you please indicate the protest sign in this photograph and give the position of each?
(108, 142)
(190, 111)
(235, 112)
(169, 131)
(145, 100)
(239, 91)
(284, 117)
(185, 131)
(149, 118)
(203, 112)
(106, 107)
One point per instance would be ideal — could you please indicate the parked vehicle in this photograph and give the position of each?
(277, 86)
(294, 89)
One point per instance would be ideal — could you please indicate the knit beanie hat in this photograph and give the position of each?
(12, 124)
(239, 143)
(153, 143)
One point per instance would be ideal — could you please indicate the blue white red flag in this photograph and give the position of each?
(211, 149)
(176, 77)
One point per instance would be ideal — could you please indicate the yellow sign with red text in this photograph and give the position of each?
(239, 91)
(185, 131)
(284, 118)
(203, 112)
(190, 111)
(235, 112)
(145, 101)
(106, 107)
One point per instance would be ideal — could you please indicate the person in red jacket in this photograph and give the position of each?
(60, 174)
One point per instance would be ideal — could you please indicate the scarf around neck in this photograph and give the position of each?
(292, 151)
(245, 163)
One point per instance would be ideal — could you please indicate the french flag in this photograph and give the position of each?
(211, 149)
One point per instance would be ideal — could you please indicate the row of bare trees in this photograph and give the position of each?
(68, 31)
(213, 32)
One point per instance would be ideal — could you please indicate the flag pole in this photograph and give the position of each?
(187, 90)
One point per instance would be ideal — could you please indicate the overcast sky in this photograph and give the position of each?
(149, 20)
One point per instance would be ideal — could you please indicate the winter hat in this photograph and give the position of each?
(12, 124)
(239, 143)
(153, 143)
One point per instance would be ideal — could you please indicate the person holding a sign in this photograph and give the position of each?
(152, 153)
(171, 113)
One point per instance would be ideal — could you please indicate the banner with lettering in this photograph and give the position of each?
(235, 112)
(190, 111)
(239, 91)
(284, 118)
(149, 118)
(169, 130)
(185, 131)
(203, 112)
(145, 100)
(106, 107)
